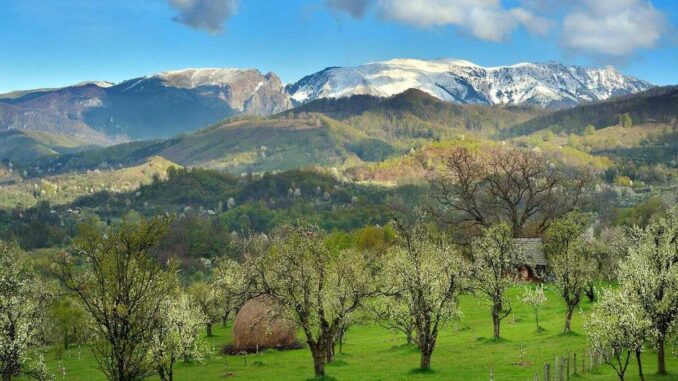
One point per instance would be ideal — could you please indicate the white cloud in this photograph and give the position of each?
(209, 15)
(607, 28)
(355, 8)
(484, 19)
(612, 28)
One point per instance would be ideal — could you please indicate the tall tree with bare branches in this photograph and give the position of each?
(517, 186)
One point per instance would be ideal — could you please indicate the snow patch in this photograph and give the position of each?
(462, 81)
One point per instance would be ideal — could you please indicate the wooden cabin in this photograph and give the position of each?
(537, 264)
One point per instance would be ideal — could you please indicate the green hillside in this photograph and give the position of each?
(65, 188)
(658, 105)
(416, 114)
(23, 147)
(242, 145)
(270, 144)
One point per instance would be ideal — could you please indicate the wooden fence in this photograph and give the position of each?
(564, 368)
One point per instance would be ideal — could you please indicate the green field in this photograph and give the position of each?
(464, 352)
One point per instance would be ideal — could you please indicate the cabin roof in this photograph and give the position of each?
(534, 250)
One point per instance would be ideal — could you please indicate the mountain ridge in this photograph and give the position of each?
(157, 106)
(657, 105)
(550, 84)
(168, 103)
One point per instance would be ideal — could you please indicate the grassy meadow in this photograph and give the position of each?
(464, 352)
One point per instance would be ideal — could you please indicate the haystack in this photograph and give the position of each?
(257, 327)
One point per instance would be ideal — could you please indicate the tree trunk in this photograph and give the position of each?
(318, 361)
(591, 293)
(536, 319)
(640, 366)
(425, 362)
(209, 329)
(661, 358)
(496, 321)
(329, 351)
(568, 319)
(410, 339)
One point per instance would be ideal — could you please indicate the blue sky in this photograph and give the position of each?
(47, 43)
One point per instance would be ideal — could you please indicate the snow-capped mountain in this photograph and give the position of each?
(542, 84)
(173, 102)
(160, 105)
(246, 91)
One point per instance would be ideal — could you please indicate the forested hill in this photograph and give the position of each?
(415, 108)
(218, 204)
(657, 105)
(240, 145)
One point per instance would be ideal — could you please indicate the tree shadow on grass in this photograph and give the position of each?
(422, 371)
(323, 378)
(492, 340)
(405, 348)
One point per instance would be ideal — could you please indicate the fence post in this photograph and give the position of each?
(561, 369)
(491, 374)
(574, 363)
(547, 372)
(590, 360)
(583, 362)
(556, 366)
(536, 376)
(567, 369)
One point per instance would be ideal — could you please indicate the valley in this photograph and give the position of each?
(219, 179)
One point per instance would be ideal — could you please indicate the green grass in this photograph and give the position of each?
(465, 351)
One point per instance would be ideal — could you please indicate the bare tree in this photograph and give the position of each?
(516, 186)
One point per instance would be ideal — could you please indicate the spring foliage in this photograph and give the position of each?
(650, 274)
(317, 288)
(570, 260)
(177, 337)
(535, 299)
(496, 260)
(123, 290)
(617, 328)
(426, 274)
(23, 298)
